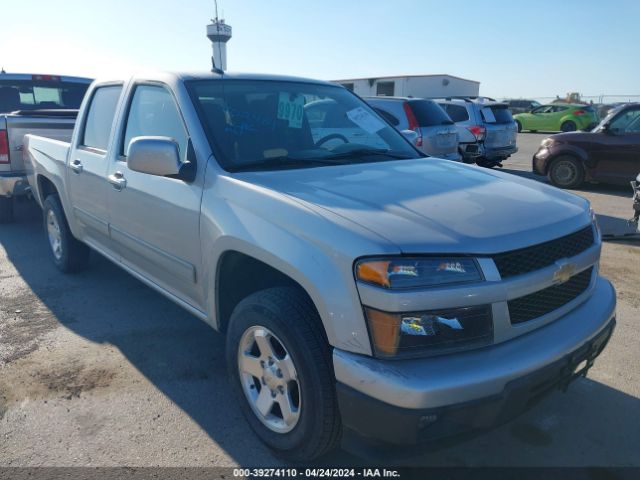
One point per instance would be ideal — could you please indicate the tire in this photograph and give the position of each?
(566, 172)
(519, 125)
(568, 126)
(6, 209)
(287, 321)
(69, 255)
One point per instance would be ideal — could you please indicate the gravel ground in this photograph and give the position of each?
(96, 369)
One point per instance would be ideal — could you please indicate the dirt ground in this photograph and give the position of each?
(96, 369)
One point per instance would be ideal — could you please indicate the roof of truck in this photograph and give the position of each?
(43, 76)
(246, 76)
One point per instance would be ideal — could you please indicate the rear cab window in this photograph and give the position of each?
(40, 94)
(100, 115)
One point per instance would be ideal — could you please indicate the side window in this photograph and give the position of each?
(153, 112)
(458, 113)
(102, 109)
(627, 122)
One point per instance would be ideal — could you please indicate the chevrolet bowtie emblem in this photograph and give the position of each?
(564, 272)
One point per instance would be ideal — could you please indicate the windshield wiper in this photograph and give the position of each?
(282, 162)
(365, 152)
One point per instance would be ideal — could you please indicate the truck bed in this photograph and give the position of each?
(47, 123)
(51, 163)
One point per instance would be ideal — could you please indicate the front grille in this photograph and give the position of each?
(517, 262)
(549, 299)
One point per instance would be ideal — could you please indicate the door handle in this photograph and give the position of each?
(76, 166)
(117, 180)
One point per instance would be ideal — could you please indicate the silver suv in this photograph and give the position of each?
(437, 134)
(486, 129)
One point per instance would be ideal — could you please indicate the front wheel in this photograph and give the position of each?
(281, 372)
(566, 172)
(69, 255)
(519, 125)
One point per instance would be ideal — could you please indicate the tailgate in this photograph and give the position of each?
(501, 128)
(18, 126)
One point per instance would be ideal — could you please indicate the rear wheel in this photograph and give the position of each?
(68, 254)
(6, 209)
(280, 370)
(568, 126)
(566, 172)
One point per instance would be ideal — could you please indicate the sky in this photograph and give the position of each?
(515, 48)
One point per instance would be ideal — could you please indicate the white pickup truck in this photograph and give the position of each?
(44, 105)
(364, 290)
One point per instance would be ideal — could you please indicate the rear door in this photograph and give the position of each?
(87, 165)
(501, 129)
(155, 221)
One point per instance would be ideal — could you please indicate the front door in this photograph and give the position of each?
(87, 167)
(618, 157)
(540, 117)
(154, 221)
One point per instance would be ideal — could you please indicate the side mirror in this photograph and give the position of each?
(154, 155)
(411, 136)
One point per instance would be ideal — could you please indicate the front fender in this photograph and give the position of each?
(296, 240)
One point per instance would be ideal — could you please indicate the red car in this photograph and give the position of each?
(610, 153)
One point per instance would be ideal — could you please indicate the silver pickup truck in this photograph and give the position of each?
(44, 105)
(364, 290)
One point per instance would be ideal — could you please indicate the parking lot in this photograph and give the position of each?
(97, 369)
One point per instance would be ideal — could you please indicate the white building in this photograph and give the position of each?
(413, 86)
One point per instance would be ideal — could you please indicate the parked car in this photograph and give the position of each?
(558, 117)
(362, 291)
(521, 105)
(437, 134)
(486, 130)
(42, 104)
(610, 153)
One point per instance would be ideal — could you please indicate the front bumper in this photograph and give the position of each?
(410, 401)
(13, 184)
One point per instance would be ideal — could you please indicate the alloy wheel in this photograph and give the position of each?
(269, 379)
(54, 234)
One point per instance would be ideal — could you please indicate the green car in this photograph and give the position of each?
(564, 117)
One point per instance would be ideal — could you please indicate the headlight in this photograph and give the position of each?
(547, 142)
(397, 273)
(402, 335)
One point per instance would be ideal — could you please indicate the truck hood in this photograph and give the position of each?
(435, 206)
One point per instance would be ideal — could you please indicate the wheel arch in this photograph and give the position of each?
(567, 152)
(238, 275)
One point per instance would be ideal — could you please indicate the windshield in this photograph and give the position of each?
(40, 95)
(261, 124)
